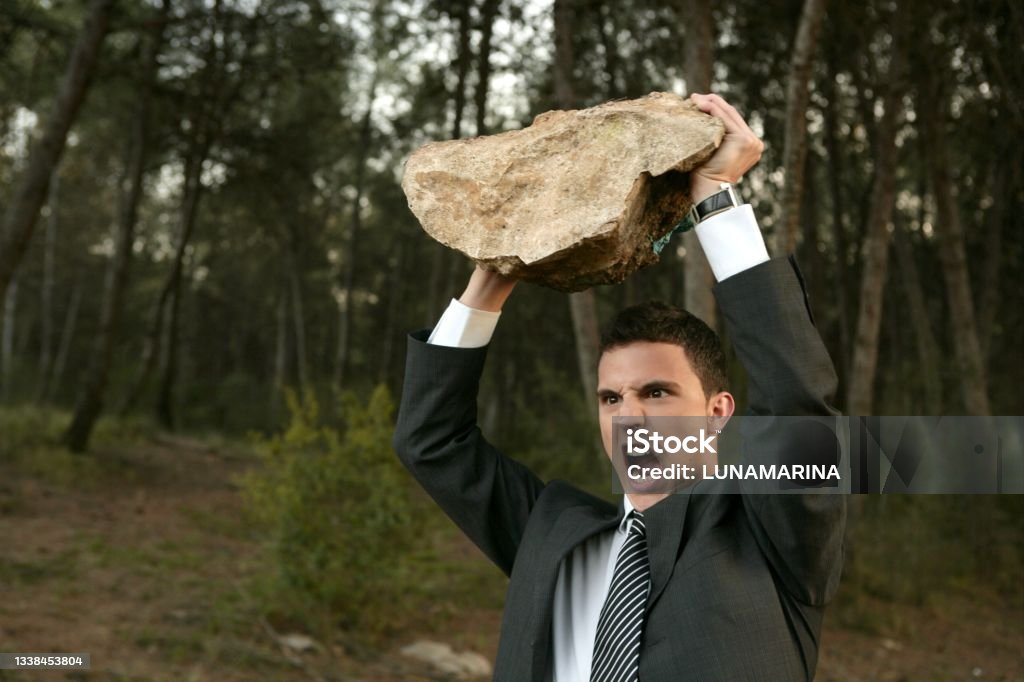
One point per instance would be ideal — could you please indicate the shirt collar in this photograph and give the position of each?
(627, 507)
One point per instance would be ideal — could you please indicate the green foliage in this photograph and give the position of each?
(915, 549)
(30, 440)
(24, 427)
(341, 522)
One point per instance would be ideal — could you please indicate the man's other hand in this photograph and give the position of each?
(487, 290)
(739, 151)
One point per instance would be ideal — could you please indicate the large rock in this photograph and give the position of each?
(572, 201)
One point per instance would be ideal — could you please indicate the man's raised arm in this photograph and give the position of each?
(488, 495)
(766, 311)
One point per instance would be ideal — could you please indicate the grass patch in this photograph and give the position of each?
(161, 557)
(31, 443)
(26, 573)
(218, 524)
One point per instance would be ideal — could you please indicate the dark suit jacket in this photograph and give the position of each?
(738, 582)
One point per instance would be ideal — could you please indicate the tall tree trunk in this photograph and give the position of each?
(586, 331)
(488, 12)
(190, 207)
(213, 101)
(797, 95)
(391, 322)
(90, 400)
(808, 253)
(995, 216)
(10, 301)
(565, 53)
(218, 95)
(66, 337)
(463, 59)
(23, 211)
(952, 255)
(834, 159)
(150, 349)
(865, 105)
(874, 271)
(352, 240)
(169, 367)
(698, 69)
(153, 347)
(298, 320)
(46, 311)
(924, 338)
(608, 31)
(280, 355)
(583, 304)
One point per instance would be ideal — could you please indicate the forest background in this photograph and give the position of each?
(208, 268)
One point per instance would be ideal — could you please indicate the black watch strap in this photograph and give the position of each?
(720, 201)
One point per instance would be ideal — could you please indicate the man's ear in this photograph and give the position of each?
(720, 407)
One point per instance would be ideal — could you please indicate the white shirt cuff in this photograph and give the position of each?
(732, 241)
(463, 327)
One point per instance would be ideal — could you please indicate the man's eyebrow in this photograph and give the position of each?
(660, 383)
(648, 386)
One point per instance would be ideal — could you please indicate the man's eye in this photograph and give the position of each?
(657, 393)
(609, 399)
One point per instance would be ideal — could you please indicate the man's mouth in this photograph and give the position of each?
(644, 460)
(635, 480)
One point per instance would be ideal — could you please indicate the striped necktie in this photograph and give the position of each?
(617, 643)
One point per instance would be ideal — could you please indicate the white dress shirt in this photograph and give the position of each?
(732, 242)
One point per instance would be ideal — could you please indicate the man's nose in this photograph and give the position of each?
(631, 413)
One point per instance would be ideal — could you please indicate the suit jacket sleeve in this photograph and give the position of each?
(488, 495)
(769, 319)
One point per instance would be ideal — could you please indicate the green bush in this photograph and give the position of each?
(918, 549)
(342, 525)
(26, 427)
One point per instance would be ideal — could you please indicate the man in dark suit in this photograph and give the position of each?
(663, 586)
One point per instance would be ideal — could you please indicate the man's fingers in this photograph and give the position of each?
(734, 123)
(727, 112)
(723, 109)
(733, 113)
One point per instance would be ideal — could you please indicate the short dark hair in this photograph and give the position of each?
(659, 322)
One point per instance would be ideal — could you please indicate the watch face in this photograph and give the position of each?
(716, 203)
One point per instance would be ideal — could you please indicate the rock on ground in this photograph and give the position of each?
(572, 201)
(441, 657)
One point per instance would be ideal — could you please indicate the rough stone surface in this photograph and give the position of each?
(573, 200)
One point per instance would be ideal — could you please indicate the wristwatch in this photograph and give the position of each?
(720, 201)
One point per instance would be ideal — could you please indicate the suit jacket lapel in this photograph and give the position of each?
(664, 522)
(574, 525)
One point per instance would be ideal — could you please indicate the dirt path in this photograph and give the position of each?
(139, 557)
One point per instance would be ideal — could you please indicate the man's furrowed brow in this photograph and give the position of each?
(663, 384)
(651, 385)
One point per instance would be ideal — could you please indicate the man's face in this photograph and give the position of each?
(646, 379)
